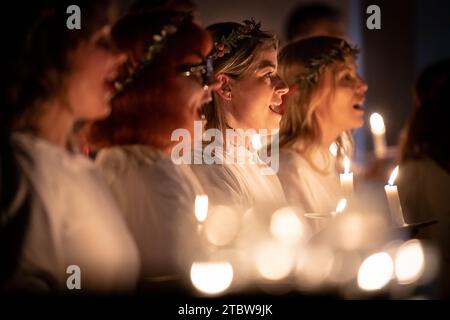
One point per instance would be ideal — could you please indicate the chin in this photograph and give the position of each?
(358, 124)
(100, 112)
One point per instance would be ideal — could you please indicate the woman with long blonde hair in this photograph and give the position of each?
(248, 99)
(324, 104)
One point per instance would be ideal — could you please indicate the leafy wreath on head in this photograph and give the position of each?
(315, 66)
(155, 46)
(226, 44)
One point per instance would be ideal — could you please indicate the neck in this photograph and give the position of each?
(329, 134)
(56, 123)
(237, 138)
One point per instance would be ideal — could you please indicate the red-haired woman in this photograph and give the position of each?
(164, 86)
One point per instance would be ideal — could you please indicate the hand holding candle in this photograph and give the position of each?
(394, 200)
(347, 179)
(378, 134)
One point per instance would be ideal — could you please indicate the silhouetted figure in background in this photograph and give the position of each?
(314, 20)
(424, 178)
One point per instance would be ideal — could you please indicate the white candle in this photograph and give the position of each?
(201, 207)
(378, 134)
(394, 200)
(347, 179)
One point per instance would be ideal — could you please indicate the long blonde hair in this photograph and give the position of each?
(235, 64)
(309, 68)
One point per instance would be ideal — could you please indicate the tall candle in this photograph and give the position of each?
(394, 200)
(378, 134)
(347, 179)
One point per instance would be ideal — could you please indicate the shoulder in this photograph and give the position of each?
(291, 160)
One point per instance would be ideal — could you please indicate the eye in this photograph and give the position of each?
(269, 75)
(105, 43)
(348, 77)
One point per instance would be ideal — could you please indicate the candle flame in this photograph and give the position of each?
(201, 207)
(393, 176)
(346, 165)
(341, 205)
(377, 124)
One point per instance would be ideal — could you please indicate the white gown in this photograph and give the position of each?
(241, 185)
(74, 221)
(307, 188)
(157, 199)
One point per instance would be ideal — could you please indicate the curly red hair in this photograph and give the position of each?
(148, 109)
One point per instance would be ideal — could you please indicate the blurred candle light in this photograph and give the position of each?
(346, 179)
(314, 265)
(211, 277)
(274, 261)
(201, 207)
(222, 225)
(378, 134)
(286, 226)
(394, 200)
(375, 272)
(409, 262)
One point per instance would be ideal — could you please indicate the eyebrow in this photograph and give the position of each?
(346, 68)
(266, 64)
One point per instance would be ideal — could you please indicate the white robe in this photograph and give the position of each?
(242, 185)
(74, 221)
(157, 198)
(307, 188)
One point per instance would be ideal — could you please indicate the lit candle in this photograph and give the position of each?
(201, 207)
(347, 179)
(394, 200)
(378, 134)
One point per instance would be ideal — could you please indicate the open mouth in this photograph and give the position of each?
(108, 89)
(278, 109)
(358, 107)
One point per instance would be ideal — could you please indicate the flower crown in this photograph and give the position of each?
(226, 44)
(156, 45)
(316, 66)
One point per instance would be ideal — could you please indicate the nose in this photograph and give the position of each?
(281, 87)
(363, 87)
(119, 58)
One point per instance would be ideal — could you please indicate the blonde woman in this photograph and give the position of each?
(250, 93)
(324, 104)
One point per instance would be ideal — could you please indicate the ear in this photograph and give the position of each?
(225, 84)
